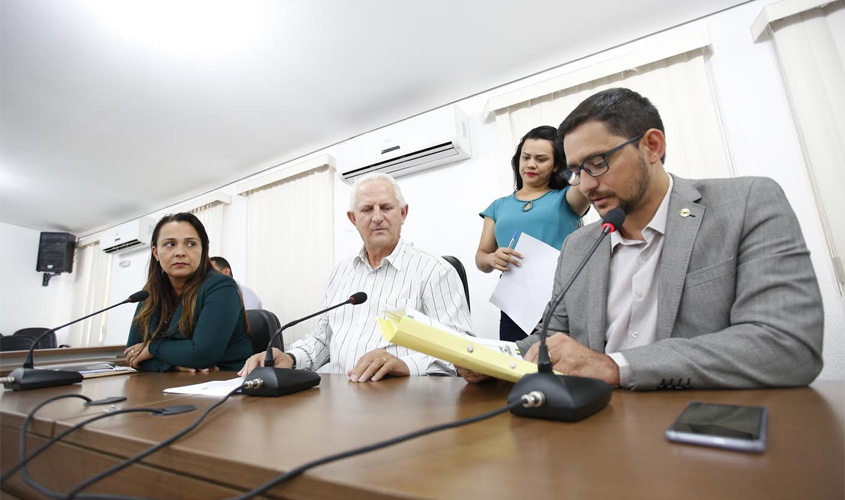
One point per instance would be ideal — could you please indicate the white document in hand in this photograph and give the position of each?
(524, 291)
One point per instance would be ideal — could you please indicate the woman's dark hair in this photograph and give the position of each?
(163, 297)
(547, 133)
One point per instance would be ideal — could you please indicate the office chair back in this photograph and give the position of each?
(462, 273)
(48, 342)
(262, 324)
(16, 343)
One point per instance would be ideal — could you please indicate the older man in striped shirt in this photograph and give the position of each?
(395, 275)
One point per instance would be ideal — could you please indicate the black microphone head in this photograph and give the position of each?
(614, 218)
(358, 298)
(138, 296)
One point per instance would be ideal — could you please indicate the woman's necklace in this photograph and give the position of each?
(529, 204)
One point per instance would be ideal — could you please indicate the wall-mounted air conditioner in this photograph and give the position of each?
(128, 236)
(425, 141)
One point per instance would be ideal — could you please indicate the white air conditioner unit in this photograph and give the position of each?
(128, 236)
(431, 139)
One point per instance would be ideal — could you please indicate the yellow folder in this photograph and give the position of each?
(460, 350)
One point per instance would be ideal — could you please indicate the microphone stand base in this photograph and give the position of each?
(566, 397)
(272, 382)
(23, 379)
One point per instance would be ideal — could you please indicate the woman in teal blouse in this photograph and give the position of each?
(542, 205)
(194, 318)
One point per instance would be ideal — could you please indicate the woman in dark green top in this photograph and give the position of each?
(194, 318)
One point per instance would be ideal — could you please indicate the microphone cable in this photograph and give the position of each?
(293, 473)
(23, 459)
(149, 451)
(75, 493)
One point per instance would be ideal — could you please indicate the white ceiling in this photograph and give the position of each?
(112, 109)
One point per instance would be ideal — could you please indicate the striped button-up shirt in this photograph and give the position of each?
(407, 278)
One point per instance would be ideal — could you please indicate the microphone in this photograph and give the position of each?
(27, 377)
(268, 380)
(563, 397)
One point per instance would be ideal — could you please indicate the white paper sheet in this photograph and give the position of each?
(524, 291)
(217, 388)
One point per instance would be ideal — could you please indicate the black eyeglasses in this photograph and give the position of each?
(595, 165)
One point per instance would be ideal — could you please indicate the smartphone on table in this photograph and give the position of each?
(734, 427)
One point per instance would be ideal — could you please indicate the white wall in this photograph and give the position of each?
(444, 202)
(23, 301)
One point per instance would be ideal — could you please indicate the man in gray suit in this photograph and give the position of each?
(708, 283)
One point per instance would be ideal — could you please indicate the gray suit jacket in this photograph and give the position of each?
(738, 301)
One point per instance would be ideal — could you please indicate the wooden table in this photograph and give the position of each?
(620, 452)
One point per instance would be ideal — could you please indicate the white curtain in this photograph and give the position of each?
(680, 89)
(92, 270)
(211, 216)
(810, 48)
(290, 245)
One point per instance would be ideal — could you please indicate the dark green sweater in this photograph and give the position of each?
(219, 337)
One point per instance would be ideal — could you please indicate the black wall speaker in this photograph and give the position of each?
(55, 253)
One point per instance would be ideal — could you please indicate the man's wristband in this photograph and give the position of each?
(293, 358)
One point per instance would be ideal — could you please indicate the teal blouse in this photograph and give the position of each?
(550, 219)
(219, 338)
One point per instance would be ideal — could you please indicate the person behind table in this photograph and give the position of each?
(194, 317)
(394, 274)
(542, 206)
(251, 299)
(707, 284)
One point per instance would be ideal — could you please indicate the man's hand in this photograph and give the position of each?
(377, 364)
(572, 358)
(472, 377)
(280, 360)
